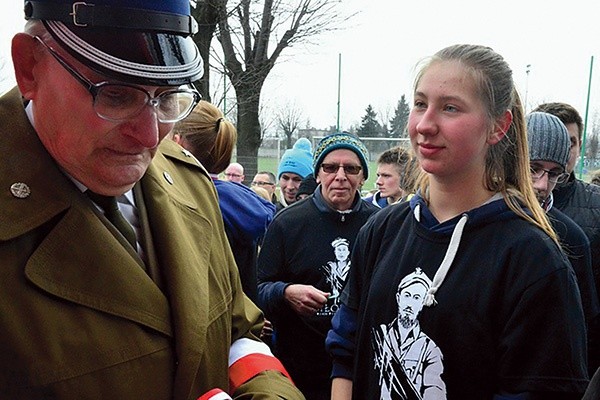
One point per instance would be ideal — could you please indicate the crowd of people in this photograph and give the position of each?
(139, 261)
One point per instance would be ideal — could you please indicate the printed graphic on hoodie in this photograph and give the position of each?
(408, 361)
(336, 273)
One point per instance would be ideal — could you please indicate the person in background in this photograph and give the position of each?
(211, 139)
(595, 178)
(503, 311)
(234, 173)
(295, 165)
(266, 180)
(397, 172)
(117, 278)
(549, 146)
(304, 261)
(262, 192)
(307, 187)
(579, 200)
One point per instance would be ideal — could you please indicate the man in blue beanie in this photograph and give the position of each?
(117, 279)
(295, 165)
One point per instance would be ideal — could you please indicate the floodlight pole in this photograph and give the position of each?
(587, 106)
(337, 127)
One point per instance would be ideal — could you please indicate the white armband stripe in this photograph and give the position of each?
(243, 347)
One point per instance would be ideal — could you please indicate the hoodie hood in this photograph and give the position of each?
(493, 210)
(246, 215)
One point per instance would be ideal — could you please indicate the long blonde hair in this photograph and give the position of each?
(507, 162)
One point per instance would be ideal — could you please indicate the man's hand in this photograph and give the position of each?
(267, 330)
(305, 300)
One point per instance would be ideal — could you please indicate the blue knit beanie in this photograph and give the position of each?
(297, 160)
(341, 140)
(548, 138)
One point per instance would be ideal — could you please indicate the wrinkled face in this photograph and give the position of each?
(575, 149)
(448, 125)
(234, 173)
(388, 181)
(289, 184)
(339, 188)
(543, 186)
(107, 157)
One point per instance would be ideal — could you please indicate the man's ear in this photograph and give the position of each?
(500, 128)
(25, 57)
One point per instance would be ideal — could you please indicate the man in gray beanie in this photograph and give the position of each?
(549, 146)
(548, 153)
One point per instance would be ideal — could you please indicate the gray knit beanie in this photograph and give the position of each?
(548, 138)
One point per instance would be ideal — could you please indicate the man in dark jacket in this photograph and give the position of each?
(577, 199)
(548, 154)
(304, 261)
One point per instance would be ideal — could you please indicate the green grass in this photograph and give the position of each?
(270, 164)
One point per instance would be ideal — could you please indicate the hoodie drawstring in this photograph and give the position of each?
(442, 271)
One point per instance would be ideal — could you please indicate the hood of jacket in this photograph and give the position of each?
(246, 215)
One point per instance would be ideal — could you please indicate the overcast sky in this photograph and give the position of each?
(381, 46)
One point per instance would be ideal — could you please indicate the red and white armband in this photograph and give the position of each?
(248, 358)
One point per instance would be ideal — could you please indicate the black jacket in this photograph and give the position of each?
(581, 202)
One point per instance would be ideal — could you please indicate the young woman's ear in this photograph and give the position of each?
(177, 138)
(500, 127)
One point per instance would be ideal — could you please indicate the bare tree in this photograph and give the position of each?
(4, 74)
(592, 142)
(206, 13)
(289, 119)
(246, 30)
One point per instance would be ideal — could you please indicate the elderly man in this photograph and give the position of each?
(234, 173)
(297, 289)
(117, 280)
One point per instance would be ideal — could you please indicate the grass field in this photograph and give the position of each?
(270, 164)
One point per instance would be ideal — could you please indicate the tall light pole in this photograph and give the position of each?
(527, 71)
(337, 127)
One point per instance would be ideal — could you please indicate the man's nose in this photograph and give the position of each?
(542, 183)
(146, 128)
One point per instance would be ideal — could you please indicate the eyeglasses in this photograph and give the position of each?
(553, 176)
(232, 175)
(120, 101)
(348, 169)
(261, 183)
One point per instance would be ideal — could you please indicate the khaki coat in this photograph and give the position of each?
(80, 318)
